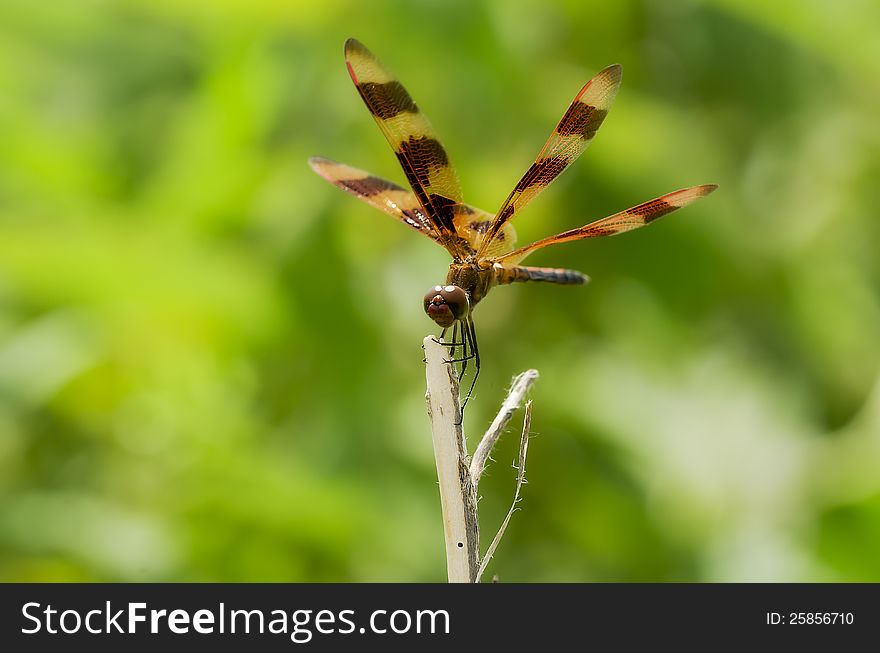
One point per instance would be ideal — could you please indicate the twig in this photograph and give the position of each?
(458, 499)
(518, 390)
(520, 479)
(457, 475)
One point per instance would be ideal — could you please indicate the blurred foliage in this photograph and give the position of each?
(210, 358)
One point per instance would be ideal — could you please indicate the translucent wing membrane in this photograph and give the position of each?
(633, 218)
(435, 207)
(470, 222)
(422, 157)
(381, 193)
(567, 142)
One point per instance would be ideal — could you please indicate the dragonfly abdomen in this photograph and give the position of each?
(552, 275)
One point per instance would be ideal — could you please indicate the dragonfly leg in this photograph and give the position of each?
(454, 339)
(475, 353)
(465, 356)
(464, 349)
(454, 342)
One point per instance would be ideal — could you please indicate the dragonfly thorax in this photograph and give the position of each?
(446, 304)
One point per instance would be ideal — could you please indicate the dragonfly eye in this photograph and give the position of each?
(446, 304)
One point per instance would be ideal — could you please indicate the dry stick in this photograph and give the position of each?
(520, 479)
(458, 497)
(518, 390)
(457, 475)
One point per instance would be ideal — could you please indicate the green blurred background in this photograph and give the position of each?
(210, 363)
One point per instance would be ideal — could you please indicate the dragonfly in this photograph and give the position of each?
(482, 244)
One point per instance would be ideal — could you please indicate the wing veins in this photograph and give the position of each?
(631, 218)
(571, 136)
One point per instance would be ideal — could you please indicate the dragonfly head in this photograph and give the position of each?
(446, 304)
